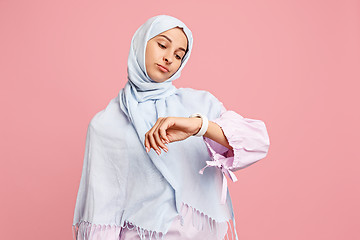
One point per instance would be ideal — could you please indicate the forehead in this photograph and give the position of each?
(175, 35)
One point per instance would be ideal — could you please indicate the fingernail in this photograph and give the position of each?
(158, 152)
(147, 149)
(165, 149)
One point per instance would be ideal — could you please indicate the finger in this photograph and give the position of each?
(162, 130)
(147, 144)
(158, 139)
(151, 138)
(168, 122)
(153, 143)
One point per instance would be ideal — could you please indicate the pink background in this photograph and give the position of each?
(292, 64)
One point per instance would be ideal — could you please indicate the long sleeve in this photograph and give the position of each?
(248, 138)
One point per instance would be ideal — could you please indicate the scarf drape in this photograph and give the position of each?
(122, 183)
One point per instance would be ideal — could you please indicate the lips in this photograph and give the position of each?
(164, 69)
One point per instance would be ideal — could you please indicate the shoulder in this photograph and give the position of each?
(109, 117)
(109, 126)
(199, 93)
(201, 101)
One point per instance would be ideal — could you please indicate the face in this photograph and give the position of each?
(164, 53)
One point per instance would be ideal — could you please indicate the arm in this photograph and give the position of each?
(214, 132)
(241, 140)
(180, 128)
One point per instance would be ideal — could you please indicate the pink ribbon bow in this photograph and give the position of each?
(222, 163)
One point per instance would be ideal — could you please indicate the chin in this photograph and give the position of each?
(159, 80)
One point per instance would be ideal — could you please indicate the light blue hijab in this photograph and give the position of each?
(121, 182)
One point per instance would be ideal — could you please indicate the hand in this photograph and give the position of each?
(170, 129)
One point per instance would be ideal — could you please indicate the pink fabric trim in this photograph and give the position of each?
(249, 140)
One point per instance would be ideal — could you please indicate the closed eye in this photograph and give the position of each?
(162, 46)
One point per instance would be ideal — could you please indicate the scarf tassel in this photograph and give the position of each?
(200, 220)
(87, 231)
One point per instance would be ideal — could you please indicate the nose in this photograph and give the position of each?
(167, 59)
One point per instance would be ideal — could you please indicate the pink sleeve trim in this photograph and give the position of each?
(248, 138)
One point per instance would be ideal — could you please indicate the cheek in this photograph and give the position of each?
(149, 52)
(178, 66)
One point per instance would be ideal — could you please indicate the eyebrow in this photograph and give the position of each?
(171, 41)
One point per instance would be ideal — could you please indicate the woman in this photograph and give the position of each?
(128, 191)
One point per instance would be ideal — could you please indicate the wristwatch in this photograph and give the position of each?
(204, 124)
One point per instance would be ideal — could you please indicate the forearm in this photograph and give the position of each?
(214, 132)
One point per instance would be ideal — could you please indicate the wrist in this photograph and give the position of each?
(198, 122)
(206, 134)
(204, 124)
